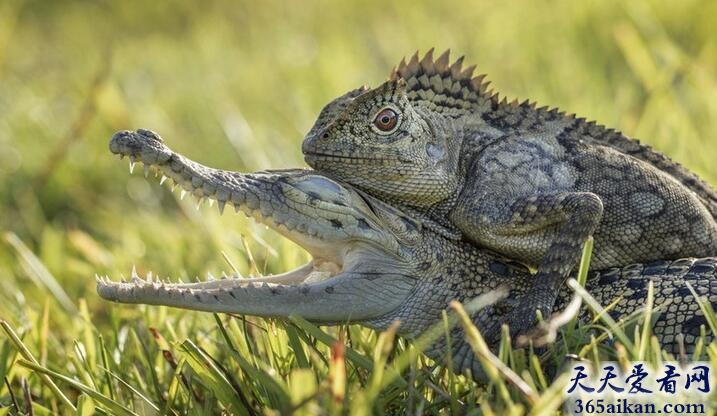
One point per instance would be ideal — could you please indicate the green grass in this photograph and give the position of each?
(236, 85)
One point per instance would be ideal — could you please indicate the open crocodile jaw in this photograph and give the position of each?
(333, 223)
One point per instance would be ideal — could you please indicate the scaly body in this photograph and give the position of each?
(373, 264)
(530, 183)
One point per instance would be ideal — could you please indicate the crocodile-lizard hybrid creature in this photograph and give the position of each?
(530, 183)
(373, 264)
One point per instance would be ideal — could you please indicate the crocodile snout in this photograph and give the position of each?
(144, 145)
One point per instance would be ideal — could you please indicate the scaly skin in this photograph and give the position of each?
(531, 184)
(374, 265)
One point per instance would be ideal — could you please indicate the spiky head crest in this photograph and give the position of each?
(441, 84)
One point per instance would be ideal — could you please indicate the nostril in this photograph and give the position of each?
(325, 135)
(308, 144)
(149, 134)
(121, 135)
(118, 139)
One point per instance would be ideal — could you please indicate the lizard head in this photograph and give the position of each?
(400, 140)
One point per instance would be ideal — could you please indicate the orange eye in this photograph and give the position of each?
(386, 120)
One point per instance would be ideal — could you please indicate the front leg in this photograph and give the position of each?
(544, 230)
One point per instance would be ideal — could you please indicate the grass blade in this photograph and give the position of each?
(27, 355)
(111, 405)
(39, 273)
(213, 377)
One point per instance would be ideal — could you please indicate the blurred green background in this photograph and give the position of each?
(236, 85)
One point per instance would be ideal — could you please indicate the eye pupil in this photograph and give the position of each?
(386, 120)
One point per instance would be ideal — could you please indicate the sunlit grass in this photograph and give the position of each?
(236, 85)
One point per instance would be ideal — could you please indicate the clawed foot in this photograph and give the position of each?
(519, 313)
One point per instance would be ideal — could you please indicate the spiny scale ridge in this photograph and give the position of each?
(450, 88)
(441, 83)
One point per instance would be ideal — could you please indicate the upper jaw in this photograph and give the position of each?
(315, 211)
(333, 222)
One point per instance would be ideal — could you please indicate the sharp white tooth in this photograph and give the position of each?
(220, 205)
(211, 203)
(210, 277)
(199, 202)
(174, 186)
(224, 275)
(161, 181)
(182, 194)
(134, 272)
(149, 275)
(146, 170)
(131, 167)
